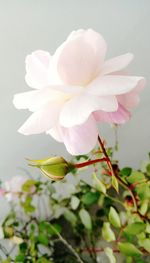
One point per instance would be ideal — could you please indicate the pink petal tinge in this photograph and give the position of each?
(118, 117)
(80, 139)
(81, 58)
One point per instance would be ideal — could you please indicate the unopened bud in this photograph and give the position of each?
(54, 167)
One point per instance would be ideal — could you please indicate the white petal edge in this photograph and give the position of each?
(112, 85)
(42, 120)
(77, 110)
(117, 63)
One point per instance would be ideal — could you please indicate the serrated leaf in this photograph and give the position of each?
(135, 228)
(98, 184)
(114, 218)
(107, 232)
(129, 249)
(115, 183)
(85, 218)
(109, 253)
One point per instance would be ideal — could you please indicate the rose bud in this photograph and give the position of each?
(54, 167)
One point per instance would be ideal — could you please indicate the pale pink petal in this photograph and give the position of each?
(34, 100)
(37, 69)
(81, 139)
(75, 33)
(116, 64)
(56, 133)
(113, 85)
(131, 99)
(79, 60)
(77, 110)
(119, 117)
(42, 120)
(23, 100)
(70, 89)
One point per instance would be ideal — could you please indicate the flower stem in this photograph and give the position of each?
(90, 162)
(113, 173)
(64, 241)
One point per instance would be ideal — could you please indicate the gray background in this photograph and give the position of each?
(43, 24)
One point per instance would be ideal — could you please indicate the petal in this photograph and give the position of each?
(37, 69)
(131, 99)
(56, 133)
(34, 100)
(113, 85)
(23, 100)
(116, 64)
(81, 139)
(42, 120)
(77, 110)
(79, 59)
(118, 117)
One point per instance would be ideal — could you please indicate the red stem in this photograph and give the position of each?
(90, 162)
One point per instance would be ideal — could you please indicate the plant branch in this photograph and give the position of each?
(91, 162)
(114, 174)
(64, 241)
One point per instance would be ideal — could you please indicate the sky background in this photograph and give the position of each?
(29, 25)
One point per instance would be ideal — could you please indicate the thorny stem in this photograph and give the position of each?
(64, 241)
(114, 174)
(90, 162)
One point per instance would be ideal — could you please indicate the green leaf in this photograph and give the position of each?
(20, 258)
(115, 183)
(135, 228)
(109, 253)
(126, 171)
(23, 247)
(6, 260)
(43, 239)
(71, 217)
(136, 177)
(143, 191)
(129, 260)
(28, 207)
(85, 218)
(129, 249)
(90, 198)
(107, 232)
(114, 218)
(98, 184)
(75, 201)
(145, 243)
(28, 185)
(144, 207)
(43, 260)
(47, 228)
(148, 169)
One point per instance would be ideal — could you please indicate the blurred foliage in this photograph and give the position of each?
(75, 221)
